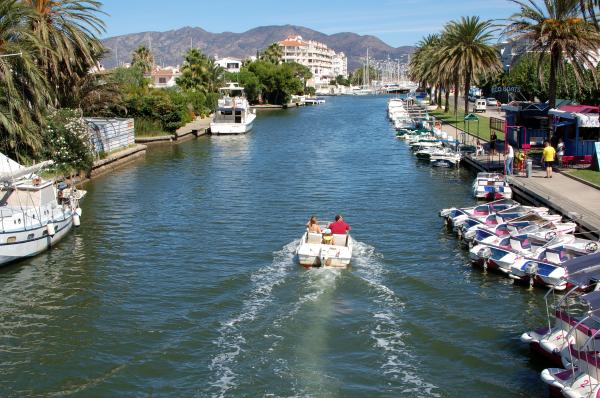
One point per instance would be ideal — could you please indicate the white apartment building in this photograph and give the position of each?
(340, 65)
(232, 65)
(164, 77)
(324, 63)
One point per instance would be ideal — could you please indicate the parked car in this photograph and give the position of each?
(492, 102)
(480, 105)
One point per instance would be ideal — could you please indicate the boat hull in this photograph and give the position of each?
(316, 254)
(23, 247)
(233, 128)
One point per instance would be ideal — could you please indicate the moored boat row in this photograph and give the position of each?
(423, 134)
(538, 249)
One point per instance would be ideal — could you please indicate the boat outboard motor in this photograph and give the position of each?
(485, 253)
(531, 270)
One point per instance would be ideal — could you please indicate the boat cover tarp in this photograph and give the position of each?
(592, 299)
(582, 270)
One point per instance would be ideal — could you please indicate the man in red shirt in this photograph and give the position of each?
(339, 227)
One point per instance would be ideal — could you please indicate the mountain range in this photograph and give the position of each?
(169, 47)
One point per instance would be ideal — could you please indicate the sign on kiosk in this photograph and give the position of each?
(597, 155)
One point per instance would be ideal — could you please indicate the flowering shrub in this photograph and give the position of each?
(67, 141)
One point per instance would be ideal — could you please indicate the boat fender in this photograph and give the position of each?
(51, 229)
(78, 211)
(76, 219)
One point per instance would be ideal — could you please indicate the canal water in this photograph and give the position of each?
(182, 280)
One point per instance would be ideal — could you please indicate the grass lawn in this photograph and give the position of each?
(587, 174)
(450, 118)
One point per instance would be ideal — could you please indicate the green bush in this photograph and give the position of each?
(167, 110)
(67, 141)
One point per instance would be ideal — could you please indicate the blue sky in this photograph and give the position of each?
(400, 22)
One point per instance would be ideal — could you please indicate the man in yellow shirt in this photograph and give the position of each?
(548, 158)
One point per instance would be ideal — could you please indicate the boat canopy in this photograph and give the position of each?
(583, 270)
(592, 300)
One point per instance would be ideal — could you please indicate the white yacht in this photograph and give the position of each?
(233, 114)
(34, 214)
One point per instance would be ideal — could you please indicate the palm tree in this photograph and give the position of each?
(215, 74)
(557, 28)
(273, 54)
(69, 30)
(200, 73)
(23, 87)
(143, 58)
(588, 8)
(467, 51)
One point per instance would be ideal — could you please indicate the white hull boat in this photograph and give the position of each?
(221, 128)
(313, 252)
(491, 186)
(445, 160)
(34, 214)
(233, 114)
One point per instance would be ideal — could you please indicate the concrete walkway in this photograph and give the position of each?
(199, 126)
(572, 198)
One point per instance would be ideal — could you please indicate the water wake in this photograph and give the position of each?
(388, 332)
(231, 338)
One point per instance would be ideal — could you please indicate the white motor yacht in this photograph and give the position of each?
(233, 114)
(34, 214)
(325, 250)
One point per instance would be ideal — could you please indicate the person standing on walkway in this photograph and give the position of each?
(560, 151)
(510, 157)
(548, 158)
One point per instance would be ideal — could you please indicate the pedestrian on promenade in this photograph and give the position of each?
(493, 138)
(560, 151)
(548, 158)
(510, 157)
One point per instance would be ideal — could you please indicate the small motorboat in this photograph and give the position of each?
(325, 250)
(448, 159)
(480, 210)
(570, 321)
(555, 274)
(491, 186)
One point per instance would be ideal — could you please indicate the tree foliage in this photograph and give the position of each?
(557, 29)
(272, 54)
(200, 72)
(272, 83)
(143, 59)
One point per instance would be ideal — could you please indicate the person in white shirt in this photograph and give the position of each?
(510, 157)
(560, 151)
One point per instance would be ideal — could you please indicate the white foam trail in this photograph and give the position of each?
(388, 333)
(231, 338)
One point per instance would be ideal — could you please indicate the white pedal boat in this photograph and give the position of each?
(312, 250)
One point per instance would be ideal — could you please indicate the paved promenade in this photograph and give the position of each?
(569, 197)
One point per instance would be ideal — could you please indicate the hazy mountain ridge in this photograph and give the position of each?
(170, 46)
